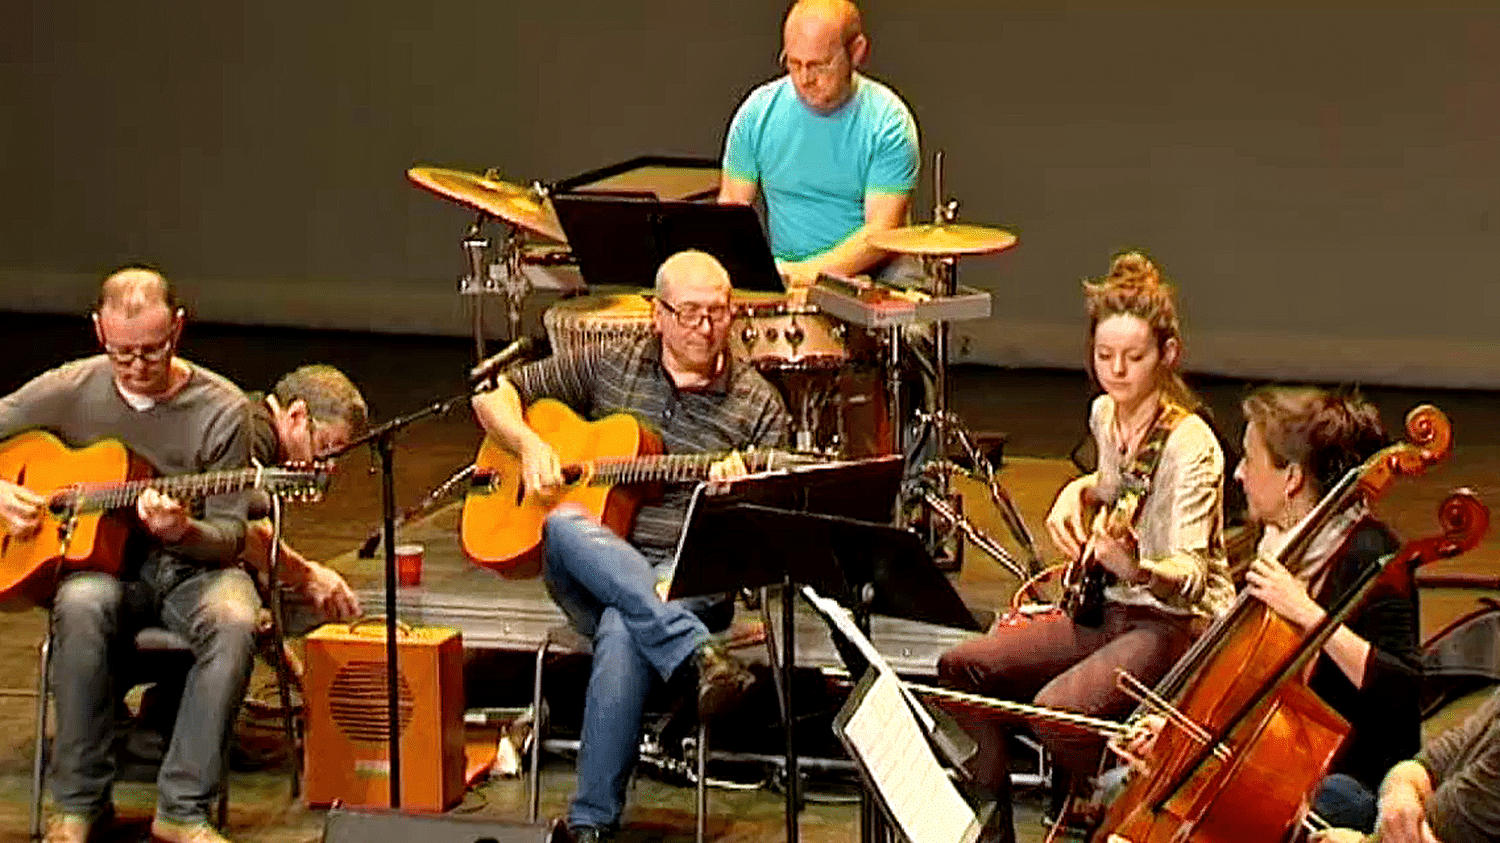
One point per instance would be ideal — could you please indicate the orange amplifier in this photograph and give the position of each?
(348, 724)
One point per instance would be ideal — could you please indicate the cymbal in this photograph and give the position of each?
(509, 202)
(943, 239)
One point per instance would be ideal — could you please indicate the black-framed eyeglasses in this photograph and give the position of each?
(821, 68)
(150, 353)
(693, 315)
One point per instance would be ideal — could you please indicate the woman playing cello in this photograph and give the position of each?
(1160, 481)
(1298, 442)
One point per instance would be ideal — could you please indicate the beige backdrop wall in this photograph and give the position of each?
(1318, 177)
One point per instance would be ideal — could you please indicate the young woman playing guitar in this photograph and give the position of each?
(1155, 549)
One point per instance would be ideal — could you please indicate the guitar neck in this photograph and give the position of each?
(665, 468)
(94, 497)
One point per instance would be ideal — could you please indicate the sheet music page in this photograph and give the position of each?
(839, 617)
(925, 803)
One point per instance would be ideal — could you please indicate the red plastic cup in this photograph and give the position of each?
(409, 564)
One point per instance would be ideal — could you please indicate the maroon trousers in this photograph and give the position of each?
(1052, 662)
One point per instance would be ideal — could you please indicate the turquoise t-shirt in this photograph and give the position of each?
(814, 170)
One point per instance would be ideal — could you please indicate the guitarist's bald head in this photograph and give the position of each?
(690, 267)
(134, 289)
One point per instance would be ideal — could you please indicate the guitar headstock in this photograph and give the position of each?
(759, 460)
(300, 482)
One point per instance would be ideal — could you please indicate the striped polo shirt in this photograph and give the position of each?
(736, 410)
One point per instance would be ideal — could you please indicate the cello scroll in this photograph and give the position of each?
(1429, 441)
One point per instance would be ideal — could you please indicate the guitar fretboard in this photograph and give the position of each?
(94, 497)
(666, 468)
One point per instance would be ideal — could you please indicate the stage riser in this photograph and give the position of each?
(519, 624)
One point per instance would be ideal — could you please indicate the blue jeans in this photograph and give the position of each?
(94, 620)
(1346, 803)
(608, 591)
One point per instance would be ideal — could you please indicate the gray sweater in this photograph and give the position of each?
(1464, 763)
(203, 427)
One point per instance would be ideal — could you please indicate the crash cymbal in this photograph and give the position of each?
(935, 239)
(509, 202)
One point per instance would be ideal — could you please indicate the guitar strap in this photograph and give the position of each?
(1136, 477)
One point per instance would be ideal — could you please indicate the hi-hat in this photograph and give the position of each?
(937, 239)
(509, 202)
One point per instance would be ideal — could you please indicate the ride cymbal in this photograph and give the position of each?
(518, 205)
(937, 239)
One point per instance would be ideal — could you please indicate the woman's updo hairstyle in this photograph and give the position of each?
(1134, 287)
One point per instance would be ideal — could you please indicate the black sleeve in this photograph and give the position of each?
(1388, 621)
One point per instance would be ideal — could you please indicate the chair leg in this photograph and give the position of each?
(221, 810)
(700, 796)
(534, 783)
(39, 757)
(286, 675)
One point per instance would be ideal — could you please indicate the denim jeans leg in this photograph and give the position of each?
(587, 565)
(216, 612)
(85, 628)
(619, 681)
(1346, 803)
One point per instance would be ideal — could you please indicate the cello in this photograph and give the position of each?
(1245, 740)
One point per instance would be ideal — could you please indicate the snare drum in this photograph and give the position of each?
(586, 320)
(783, 336)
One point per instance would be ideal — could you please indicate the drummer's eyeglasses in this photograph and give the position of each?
(693, 315)
(812, 68)
(154, 353)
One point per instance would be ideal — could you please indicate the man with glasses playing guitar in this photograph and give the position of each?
(682, 384)
(176, 561)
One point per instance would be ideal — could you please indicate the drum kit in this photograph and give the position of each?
(844, 359)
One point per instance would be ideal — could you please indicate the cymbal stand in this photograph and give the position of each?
(931, 487)
(503, 277)
(809, 393)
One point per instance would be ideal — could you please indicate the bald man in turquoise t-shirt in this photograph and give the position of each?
(833, 152)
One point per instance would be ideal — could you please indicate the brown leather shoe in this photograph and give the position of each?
(171, 831)
(722, 681)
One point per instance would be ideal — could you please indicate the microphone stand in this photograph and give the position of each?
(382, 439)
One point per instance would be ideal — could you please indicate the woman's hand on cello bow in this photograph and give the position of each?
(1136, 744)
(1338, 835)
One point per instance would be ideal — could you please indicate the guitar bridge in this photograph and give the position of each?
(64, 508)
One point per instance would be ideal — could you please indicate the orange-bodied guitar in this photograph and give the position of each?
(605, 464)
(80, 530)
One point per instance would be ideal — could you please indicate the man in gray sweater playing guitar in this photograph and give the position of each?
(683, 383)
(176, 569)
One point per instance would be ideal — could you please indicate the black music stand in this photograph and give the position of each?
(735, 538)
(688, 178)
(622, 239)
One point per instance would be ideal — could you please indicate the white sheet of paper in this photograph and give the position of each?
(840, 617)
(923, 800)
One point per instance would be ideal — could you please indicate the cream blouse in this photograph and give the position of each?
(1179, 527)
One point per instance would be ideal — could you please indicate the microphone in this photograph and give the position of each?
(492, 365)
